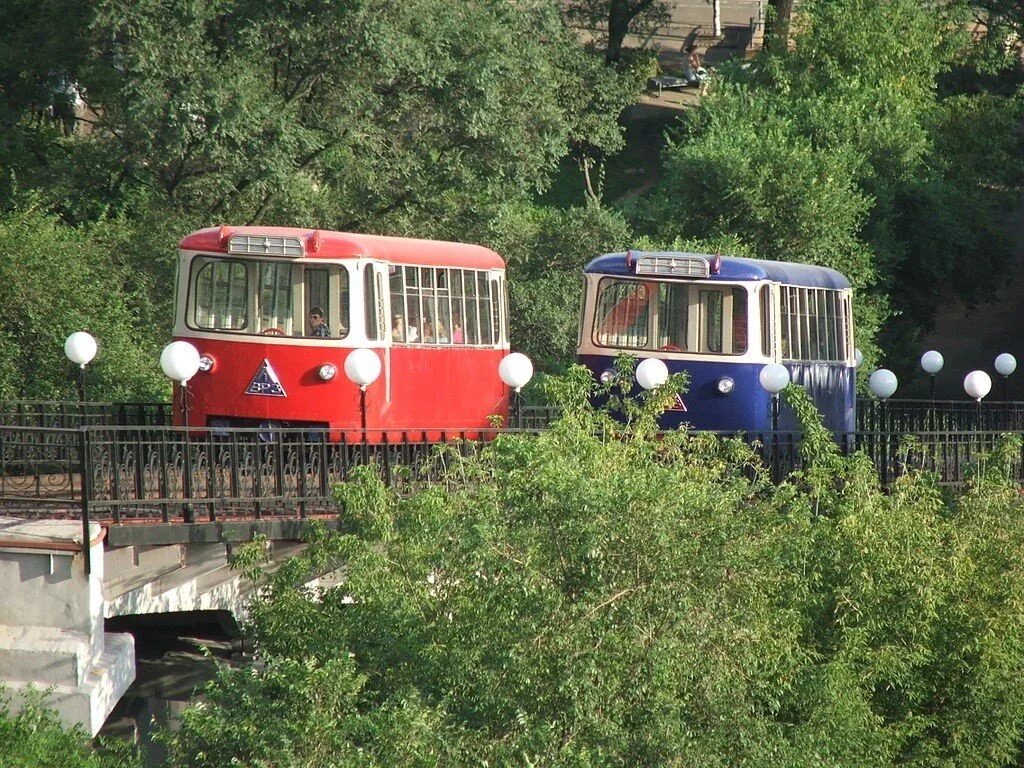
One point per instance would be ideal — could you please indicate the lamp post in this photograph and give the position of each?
(179, 361)
(774, 378)
(883, 384)
(362, 367)
(80, 349)
(515, 370)
(977, 384)
(931, 363)
(1005, 365)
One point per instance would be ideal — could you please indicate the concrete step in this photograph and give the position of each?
(44, 655)
(89, 702)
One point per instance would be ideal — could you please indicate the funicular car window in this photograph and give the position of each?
(441, 306)
(622, 314)
(815, 324)
(221, 290)
(275, 296)
(688, 317)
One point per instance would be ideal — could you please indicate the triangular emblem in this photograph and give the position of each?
(265, 382)
(678, 405)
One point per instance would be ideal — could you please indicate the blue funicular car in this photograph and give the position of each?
(723, 319)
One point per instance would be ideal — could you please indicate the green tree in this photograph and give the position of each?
(383, 116)
(843, 151)
(546, 249)
(618, 18)
(55, 280)
(34, 738)
(599, 596)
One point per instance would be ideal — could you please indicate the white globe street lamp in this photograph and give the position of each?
(774, 378)
(977, 384)
(80, 349)
(858, 357)
(932, 362)
(515, 370)
(362, 367)
(179, 361)
(651, 373)
(1005, 365)
(883, 383)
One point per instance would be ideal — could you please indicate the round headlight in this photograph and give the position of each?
(206, 363)
(327, 371)
(726, 385)
(607, 376)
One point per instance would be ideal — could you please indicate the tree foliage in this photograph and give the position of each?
(33, 737)
(55, 280)
(381, 116)
(596, 596)
(844, 151)
(546, 250)
(614, 19)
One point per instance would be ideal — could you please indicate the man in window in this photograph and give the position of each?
(317, 323)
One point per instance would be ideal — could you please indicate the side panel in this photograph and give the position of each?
(437, 389)
(832, 386)
(748, 407)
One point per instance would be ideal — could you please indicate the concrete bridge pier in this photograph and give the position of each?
(51, 622)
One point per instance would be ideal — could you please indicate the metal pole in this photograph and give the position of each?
(776, 465)
(86, 486)
(931, 387)
(187, 513)
(885, 446)
(81, 383)
(184, 404)
(362, 415)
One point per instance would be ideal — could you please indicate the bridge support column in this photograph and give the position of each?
(51, 622)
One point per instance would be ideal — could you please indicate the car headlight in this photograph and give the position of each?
(206, 363)
(327, 371)
(725, 385)
(607, 376)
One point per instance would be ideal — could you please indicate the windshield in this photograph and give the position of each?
(671, 316)
(279, 298)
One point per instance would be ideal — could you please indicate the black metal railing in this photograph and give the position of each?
(168, 473)
(73, 414)
(903, 416)
(87, 463)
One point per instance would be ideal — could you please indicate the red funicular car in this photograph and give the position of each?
(274, 312)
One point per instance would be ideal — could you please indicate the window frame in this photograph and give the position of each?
(696, 317)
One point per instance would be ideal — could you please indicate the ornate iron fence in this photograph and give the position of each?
(904, 416)
(159, 474)
(72, 414)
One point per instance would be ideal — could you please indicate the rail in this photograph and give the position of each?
(87, 464)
